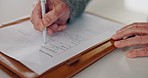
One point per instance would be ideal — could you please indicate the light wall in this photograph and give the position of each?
(140, 6)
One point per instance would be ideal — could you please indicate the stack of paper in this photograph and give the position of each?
(25, 44)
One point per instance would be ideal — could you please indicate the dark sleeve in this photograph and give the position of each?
(77, 7)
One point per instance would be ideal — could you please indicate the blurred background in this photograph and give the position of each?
(125, 11)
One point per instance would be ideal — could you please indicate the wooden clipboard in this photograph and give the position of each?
(67, 69)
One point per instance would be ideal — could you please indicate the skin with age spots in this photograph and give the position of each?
(55, 19)
(140, 32)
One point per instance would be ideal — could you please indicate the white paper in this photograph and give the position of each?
(25, 44)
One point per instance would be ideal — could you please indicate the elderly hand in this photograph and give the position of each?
(138, 35)
(55, 19)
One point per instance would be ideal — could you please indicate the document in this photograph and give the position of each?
(23, 43)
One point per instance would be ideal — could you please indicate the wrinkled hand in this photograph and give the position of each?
(138, 33)
(55, 19)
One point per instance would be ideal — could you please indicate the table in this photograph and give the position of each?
(114, 65)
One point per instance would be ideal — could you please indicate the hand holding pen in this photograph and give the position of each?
(55, 18)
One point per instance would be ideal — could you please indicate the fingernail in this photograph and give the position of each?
(117, 43)
(114, 36)
(41, 26)
(129, 55)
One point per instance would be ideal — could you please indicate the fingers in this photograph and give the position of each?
(36, 17)
(133, 29)
(62, 27)
(56, 13)
(49, 5)
(56, 28)
(50, 31)
(137, 40)
(138, 52)
(55, 19)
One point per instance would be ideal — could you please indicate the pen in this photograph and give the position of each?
(43, 2)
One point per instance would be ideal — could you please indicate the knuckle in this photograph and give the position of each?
(145, 26)
(145, 49)
(47, 19)
(61, 9)
(56, 13)
(135, 23)
(139, 39)
(136, 26)
(126, 43)
(63, 6)
(133, 26)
